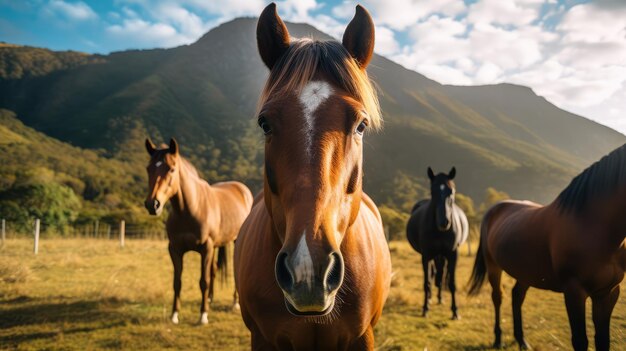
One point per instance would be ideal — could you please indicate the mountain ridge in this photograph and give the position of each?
(502, 136)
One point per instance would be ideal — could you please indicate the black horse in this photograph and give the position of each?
(436, 229)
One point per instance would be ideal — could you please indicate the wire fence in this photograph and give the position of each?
(105, 230)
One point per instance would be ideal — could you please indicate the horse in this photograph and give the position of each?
(203, 218)
(436, 229)
(312, 263)
(575, 245)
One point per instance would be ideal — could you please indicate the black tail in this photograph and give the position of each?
(479, 271)
(222, 263)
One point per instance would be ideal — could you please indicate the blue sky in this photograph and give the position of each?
(572, 52)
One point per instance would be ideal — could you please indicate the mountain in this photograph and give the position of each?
(45, 178)
(502, 136)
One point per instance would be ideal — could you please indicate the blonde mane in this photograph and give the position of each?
(305, 58)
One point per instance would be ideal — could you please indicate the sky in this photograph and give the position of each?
(572, 52)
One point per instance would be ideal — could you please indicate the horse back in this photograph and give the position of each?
(234, 201)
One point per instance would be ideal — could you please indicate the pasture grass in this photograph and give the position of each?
(88, 294)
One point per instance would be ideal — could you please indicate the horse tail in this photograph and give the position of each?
(479, 272)
(222, 263)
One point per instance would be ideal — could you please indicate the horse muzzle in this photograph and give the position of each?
(154, 207)
(309, 287)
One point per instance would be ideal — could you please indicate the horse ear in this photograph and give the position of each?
(452, 173)
(173, 146)
(431, 174)
(150, 147)
(358, 38)
(272, 36)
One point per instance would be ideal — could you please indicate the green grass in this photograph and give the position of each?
(83, 294)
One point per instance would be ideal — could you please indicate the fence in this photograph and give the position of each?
(97, 229)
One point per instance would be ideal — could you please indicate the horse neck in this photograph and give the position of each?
(619, 219)
(187, 197)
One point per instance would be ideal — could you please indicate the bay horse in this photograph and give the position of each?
(436, 229)
(312, 264)
(204, 218)
(575, 246)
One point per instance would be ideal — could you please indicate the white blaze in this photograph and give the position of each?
(303, 263)
(312, 96)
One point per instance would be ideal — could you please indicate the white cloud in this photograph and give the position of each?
(386, 43)
(77, 11)
(400, 14)
(148, 34)
(503, 12)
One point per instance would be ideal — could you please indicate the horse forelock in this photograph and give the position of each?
(307, 60)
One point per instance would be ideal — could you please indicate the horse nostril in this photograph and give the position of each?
(157, 204)
(334, 273)
(283, 273)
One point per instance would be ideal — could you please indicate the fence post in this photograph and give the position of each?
(122, 232)
(37, 225)
(96, 229)
(4, 231)
(108, 231)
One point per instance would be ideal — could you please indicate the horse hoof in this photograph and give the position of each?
(425, 314)
(204, 318)
(455, 317)
(175, 318)
(524, 346)
(497, 345)
(236, 307)
(440, 302)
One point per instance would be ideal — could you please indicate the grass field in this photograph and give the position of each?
(85, 294)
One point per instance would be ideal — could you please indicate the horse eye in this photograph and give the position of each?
(267, 130)
(361, 128)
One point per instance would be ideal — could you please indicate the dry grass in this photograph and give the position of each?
(85, 294)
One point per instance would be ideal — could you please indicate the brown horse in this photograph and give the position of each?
(312, 264)
(203, 217)
(576, 246)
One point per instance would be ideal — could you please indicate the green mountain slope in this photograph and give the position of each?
(503, 136)
(39, 173)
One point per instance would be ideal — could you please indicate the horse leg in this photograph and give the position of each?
(452, 257)
(518, 295)
(575, 298)
(206, 279)
(440, 262)
(495, 275)
(427, 274)
(602, 308)
(177, 261)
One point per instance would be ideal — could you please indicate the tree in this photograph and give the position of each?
(394, 221)
(56, 205)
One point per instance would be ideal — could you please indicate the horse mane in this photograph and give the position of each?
(191, 169)
(305, 58)
(598, 180)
